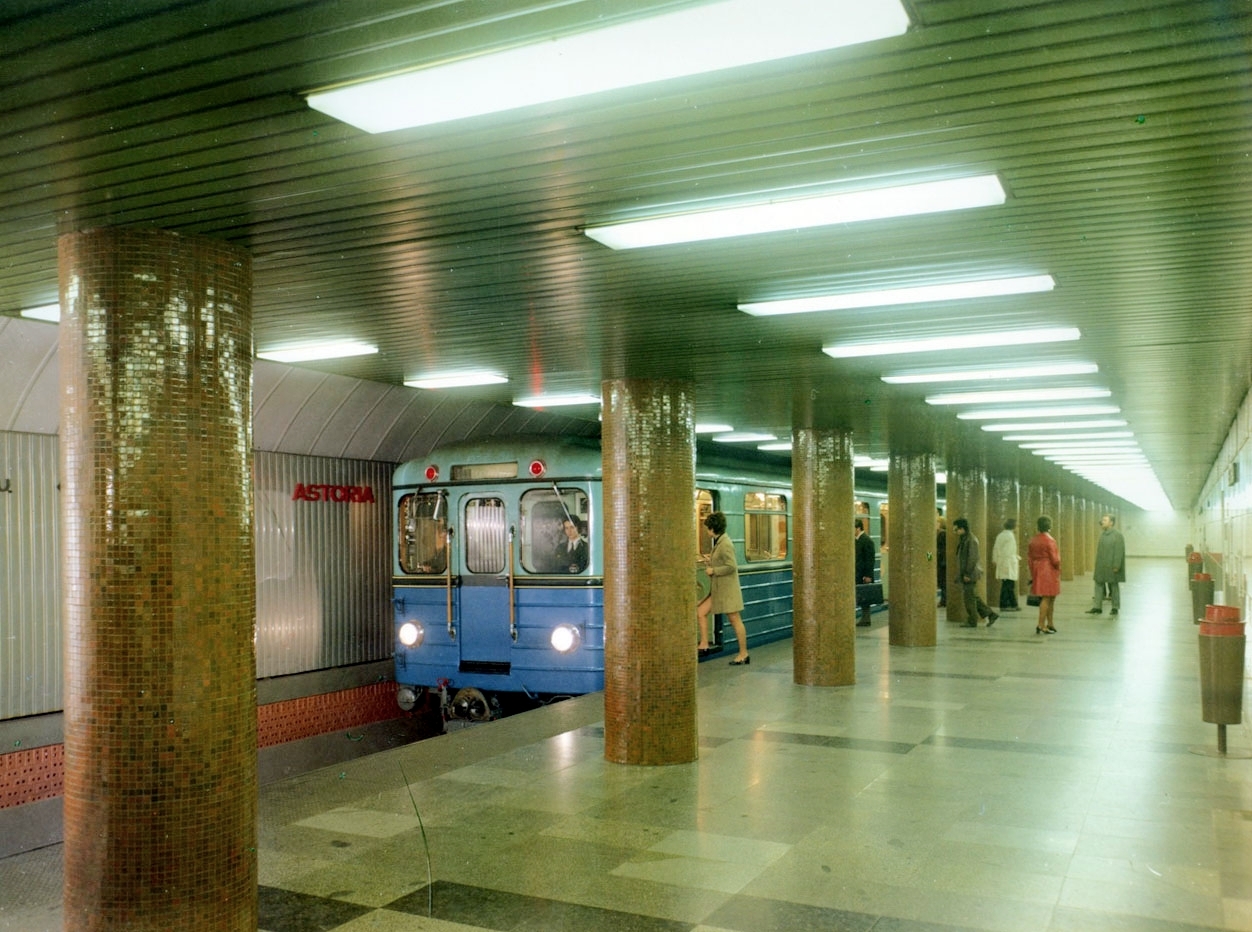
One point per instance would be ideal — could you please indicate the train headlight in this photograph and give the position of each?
(406, 698)
(565, 638)
(411, 634)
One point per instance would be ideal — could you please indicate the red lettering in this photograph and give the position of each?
(311, 492)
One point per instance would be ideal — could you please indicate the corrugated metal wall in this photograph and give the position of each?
(30, 575)
(323, 568)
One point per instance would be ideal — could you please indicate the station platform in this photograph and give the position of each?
(1001, 780)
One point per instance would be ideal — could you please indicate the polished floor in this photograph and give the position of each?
(999, 781)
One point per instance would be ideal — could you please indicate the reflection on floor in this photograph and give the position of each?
(999, 781)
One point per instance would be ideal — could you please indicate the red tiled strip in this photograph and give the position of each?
(28, 776)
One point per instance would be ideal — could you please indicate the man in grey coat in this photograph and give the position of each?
(968, 572)
(1110, 566)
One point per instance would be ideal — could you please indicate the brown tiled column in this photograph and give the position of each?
(160, 695)
(1032, 508)
(1069, 533)
(967, 498)
(1084, 524)
(824, 601)
(911, 612)
(1001, 504)
(1052, 508)
(649, 572)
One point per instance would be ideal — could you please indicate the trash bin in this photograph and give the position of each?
(1222, 643)
(1195, 564)
(1201, 596)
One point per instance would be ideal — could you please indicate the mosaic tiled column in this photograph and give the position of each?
(967, 498)
(1002, 504)
(824, 599)
(1070, 529)
(160, 696)
(1032, 508)
(1052, 508)
(650, 546)
(911, 611)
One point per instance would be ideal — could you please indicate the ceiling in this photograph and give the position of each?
(1120, 129)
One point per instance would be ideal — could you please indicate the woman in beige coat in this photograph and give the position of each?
(725, 597)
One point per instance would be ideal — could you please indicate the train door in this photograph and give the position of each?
(487, 543)
(705, 505)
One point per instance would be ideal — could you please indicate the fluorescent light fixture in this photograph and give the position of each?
(1096, 435)
(48, 312)
(744, 436)
(799, 213)
(705, 38)
(713, 428)
(941, 478)
(951, 291)
(1017, 396)
(1061, 446)
(1055, 425)
(1045, 371)
(456, 380)
(308, 352)
(953, 342)
(558, 400)
(780, 446)
(1057, 411)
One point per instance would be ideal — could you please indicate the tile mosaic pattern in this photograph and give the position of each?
(159, 582)
(649, 656)
(824, 600)
(1000, 782)
(31, 775)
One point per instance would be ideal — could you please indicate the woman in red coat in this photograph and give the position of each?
(1045, 573)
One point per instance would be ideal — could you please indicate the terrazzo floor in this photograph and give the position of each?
(998, 781)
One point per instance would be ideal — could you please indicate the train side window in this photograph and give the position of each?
(705, 506)
(423, 523)
(764, 526)
(546, 547)
(486, 534)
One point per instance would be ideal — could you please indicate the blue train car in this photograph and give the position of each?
(498, 574)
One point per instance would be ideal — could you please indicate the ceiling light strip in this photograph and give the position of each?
(953, 342)
(706, 38)
(774, 216)
(1048, 370)
(921, 294)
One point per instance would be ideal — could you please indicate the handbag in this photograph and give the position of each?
(1034, 599)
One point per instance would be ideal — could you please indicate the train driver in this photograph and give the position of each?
(571, 552)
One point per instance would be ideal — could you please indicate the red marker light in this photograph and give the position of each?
(537, 468)
(432, 473)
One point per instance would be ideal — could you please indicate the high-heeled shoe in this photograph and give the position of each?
(1051, 630)
(741, 663)
(1039, 630)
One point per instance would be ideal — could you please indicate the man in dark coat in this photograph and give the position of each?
(1110, 566)
(864, 564)
(968, 572)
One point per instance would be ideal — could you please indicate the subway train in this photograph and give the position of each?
(498, 576)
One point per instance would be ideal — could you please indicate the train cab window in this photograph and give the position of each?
(764, 526)
(486, 535)
(705, 506)
(555, 531)
(423, 523)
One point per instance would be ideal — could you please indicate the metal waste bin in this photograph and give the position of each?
(1201, 596)
(1195, 564)
(1222, 643)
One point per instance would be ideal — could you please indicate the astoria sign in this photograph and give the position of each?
(311, 492)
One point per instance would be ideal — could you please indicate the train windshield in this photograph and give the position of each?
(423, 522)
(555, 530)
